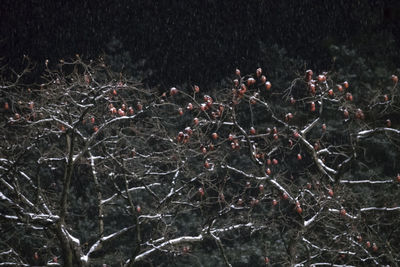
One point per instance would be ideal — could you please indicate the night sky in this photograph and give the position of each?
(193, 40)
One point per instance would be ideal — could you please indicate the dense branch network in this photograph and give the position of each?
(91, 161)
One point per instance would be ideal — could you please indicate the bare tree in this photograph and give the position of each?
(98, 169)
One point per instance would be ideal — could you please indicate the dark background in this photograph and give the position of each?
(197, 41)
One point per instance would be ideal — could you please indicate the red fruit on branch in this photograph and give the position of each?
(340, 88)
(196, 89)
(92, 120)
(207, 164)
(201, 191)
(121, 112)
(268, 171)
(385, 98)
(388, 123)
(312, 106)
(343, 212)
(173, 91)
(368, 244)
(131, 111)
(250, 81)
(395, 79)
(274, 202)
(189, 106)
(258, 72)
(346, 84)
(263, 79)
(214, 136)
(275, 161)
(261, 187)
(312, 88)
(299, 157)
(321, 78)
(299, 210)
(196, 121)
(6, 106)
(330, 192)
(309, 74)
(252, 131)
(268, 85)
(346, 113)
(237, 72)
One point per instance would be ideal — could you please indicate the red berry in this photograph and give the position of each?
(343, 212)
(268, 85)
(330, 192)
(263, 79)
(173, 91)
(214, 136)
(395, 79)
(312, 106)
(299, 210)
(250, 81)
(201, 191)
(258, 72)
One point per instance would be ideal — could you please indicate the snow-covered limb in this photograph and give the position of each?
(105, 201)
(13, 264)
(365, 182)
(266, 177)
(99, 243)
(321, 166)
(69, 236)
(380, 209)
(176, 241)
(312, 219)
(308, 127)
(230, 228)
(347, 214)
(366, 133)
